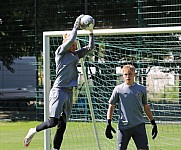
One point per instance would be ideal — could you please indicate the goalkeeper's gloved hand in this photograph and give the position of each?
(109, 130)
(77, 21)
(90, 31)
(154, 129)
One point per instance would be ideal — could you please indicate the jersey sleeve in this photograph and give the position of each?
(65, 46)
(114, 97)
(85, 50)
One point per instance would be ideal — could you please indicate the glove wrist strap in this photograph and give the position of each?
(109, 122)
(153, 122)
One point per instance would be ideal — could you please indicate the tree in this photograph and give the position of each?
(16, 34)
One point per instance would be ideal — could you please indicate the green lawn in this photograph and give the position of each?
(80, 136)
(12, 135)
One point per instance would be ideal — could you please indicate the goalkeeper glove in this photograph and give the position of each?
(109, 130)
(90, 31)
(154, 129)
(77, 21)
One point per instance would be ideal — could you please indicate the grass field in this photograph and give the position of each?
(12, 134)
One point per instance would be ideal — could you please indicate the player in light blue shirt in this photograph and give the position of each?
(61, 95)
(131, 99)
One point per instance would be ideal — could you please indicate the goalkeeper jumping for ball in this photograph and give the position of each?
(131, 98)
(61, 94)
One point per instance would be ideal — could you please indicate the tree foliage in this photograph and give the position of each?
(16, 32)
(23, 22)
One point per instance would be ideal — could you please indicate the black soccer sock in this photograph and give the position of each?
(51, 122)
(58, 138)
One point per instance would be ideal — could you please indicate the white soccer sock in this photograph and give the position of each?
(34, 130)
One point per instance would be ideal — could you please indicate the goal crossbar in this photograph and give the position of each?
(118, 31)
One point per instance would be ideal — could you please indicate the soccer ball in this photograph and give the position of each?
(87, 22)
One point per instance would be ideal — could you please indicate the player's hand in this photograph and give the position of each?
(91, 31)
(91, 27)
(77, 21)
(154, 129)
(109, 130)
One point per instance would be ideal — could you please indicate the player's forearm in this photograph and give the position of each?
(110, 111)
(73, 36)
(85, 50)
(91, 44)
(148, 112)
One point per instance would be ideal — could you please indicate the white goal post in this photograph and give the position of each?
(156, 54)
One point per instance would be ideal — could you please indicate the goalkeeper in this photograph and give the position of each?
(131, 98)
(61, 94)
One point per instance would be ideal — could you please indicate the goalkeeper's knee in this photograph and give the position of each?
(52, 122)
(61, 125)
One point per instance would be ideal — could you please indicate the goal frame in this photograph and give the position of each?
(46, 58)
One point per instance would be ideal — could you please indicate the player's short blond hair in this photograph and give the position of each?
(128, 67)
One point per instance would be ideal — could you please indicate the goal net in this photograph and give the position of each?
(156, 54)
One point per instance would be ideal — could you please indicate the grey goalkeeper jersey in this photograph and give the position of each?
(66, 62)
(130, 100)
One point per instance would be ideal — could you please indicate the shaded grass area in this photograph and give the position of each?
(81, 136)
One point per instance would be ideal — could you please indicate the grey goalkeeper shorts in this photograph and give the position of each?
(60, 102)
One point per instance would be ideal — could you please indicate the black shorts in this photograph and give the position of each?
(138, 134)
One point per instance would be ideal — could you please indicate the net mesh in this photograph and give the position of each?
(157, 59)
